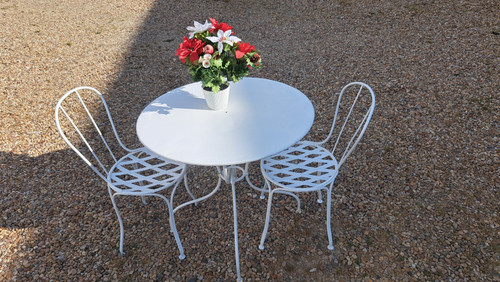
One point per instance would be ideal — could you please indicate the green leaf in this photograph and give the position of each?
(215, 88)
(216, 63)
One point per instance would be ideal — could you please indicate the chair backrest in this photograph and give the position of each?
(353, 113)
(76, 124)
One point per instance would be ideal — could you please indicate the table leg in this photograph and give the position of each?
(236, 245)
(230, 176)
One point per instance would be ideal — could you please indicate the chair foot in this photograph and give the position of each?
(122, 254)
(299, 210)
(330, 247)
(261, 247)
(319, 201)
(183, 256)
(262, 197)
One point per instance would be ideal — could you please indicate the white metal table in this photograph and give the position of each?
(263, 117)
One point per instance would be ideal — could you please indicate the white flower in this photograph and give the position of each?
(198, 27)
(223, 37)
(205, 60)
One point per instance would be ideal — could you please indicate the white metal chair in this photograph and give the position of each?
(137, 173)
(307, 166)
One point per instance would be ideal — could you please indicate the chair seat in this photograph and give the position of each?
(304, 166)
(141, 172)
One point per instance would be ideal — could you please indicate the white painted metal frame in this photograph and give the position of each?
(138, 173)
(262, 118)
(307, 166)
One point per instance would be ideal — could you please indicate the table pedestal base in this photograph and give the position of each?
(230, 175)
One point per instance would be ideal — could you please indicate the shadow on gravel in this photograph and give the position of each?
(62, 210)
(419, 197)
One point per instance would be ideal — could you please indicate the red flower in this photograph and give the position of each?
(243, 48)
(222, 26)
(190, 47)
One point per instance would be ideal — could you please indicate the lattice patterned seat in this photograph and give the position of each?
(142, 173)
(137, 173)
(303, 166)
(307, 166)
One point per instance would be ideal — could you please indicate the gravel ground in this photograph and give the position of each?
(418, 199)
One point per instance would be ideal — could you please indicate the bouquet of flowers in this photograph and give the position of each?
(214, 55)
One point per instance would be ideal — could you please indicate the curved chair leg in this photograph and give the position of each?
(320, 197)
(186, 185)
(171, 202)
(247, 177)
(328, 218)
(173, 228)
(189, 190)
(262, 194)
(122, 231)
(268, 217)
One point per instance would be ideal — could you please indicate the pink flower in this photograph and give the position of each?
(208, 49)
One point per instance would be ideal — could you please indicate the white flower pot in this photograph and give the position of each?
(217, 101)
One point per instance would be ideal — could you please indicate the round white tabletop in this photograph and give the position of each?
(263, 117)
